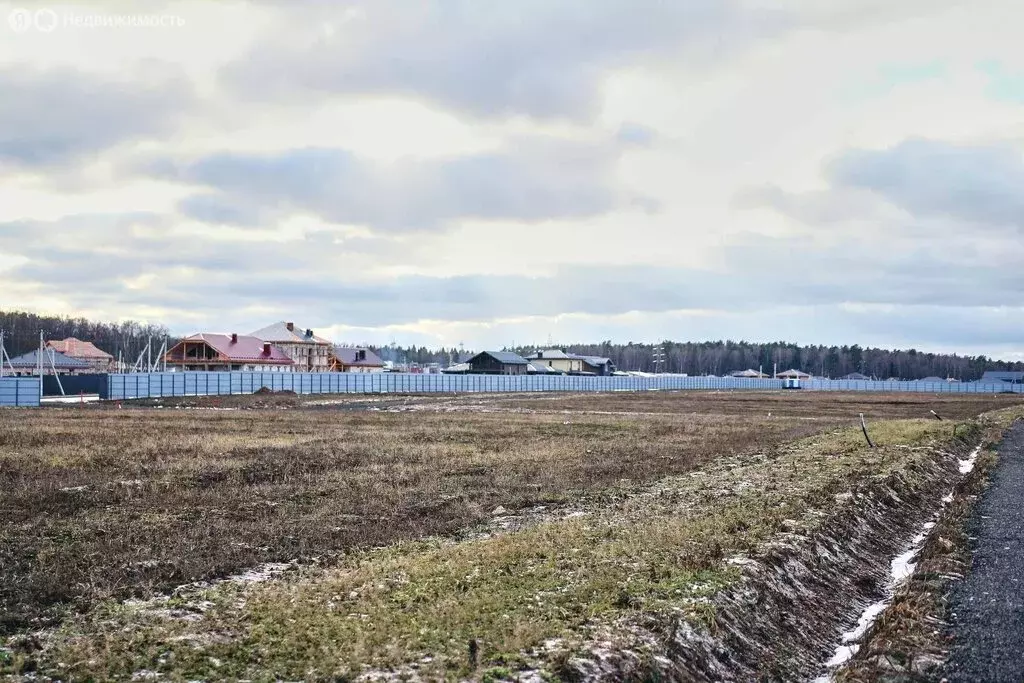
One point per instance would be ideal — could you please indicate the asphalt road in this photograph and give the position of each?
(988, 608)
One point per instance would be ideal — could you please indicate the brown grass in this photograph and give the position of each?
(111, 503)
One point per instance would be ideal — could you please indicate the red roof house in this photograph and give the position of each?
(224, 352)
(98, 359)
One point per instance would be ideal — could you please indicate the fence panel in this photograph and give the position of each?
(19, 392)
(143, 385)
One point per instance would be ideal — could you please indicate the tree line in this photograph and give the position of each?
(723, 357)
(129, 338)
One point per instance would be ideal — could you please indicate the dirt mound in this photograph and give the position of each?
(265, 391)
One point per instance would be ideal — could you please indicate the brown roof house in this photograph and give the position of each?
(226, 352)
(309, 352)
(97, 359)
(356, 359)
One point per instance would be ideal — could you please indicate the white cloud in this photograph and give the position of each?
(697, 138)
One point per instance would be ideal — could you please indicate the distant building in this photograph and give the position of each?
(557, 359)
(856, 376)
(497, 363)
(597, 365)
(98, 360)
(748, 374)
(793, 374)
(933, 378)
(353, 359)
(226, 352)
(309, 352)
(538, 369)
(997, 377)
(572, 363)
(28, 364)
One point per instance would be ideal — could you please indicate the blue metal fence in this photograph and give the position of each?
(19, 392)
(156, 385)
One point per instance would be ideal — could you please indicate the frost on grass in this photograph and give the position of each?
(602, 581)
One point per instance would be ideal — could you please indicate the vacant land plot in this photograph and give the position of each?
(101, 505)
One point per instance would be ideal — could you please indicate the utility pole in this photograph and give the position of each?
(658, 356)
(40, 364)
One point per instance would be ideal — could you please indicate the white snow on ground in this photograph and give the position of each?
(901, 568)
(87, 398)
(967, 465)
(258, 574)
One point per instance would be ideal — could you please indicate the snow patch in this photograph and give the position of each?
(967, 464)
(901, 568)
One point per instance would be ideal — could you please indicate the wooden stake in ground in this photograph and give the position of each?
(864, 426)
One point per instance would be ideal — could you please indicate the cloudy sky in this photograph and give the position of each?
(445, 171)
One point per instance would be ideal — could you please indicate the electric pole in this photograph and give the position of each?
(658, 356)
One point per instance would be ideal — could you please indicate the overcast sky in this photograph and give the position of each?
(446, 171)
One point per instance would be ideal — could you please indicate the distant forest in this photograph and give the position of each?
(21, 334)
(723, 357)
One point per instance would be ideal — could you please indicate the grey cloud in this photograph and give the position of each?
(217, 208)
(765, 274)
(636, 134)
(50, 118)
(534, 57)
(323, 279)
(532, 180)
(975, 183)
(918, 188)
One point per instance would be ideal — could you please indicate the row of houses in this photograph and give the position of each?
(546, 362)
(281, 347)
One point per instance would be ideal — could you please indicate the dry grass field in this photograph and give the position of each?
(101, 504)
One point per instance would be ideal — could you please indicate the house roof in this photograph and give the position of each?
(793, 373)
(542, 369)
(551, 354)
(855, 375)
(933, 378)
(458, 367)
(347, 356)
(247, 348)
(279, 332)
(999, 376)
(60, 361)
(592, 360)
(748, 373)
(558, 354)
(506, 357)
(76, 348)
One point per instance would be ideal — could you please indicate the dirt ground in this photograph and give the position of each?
(116, 502)
(799, 404)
